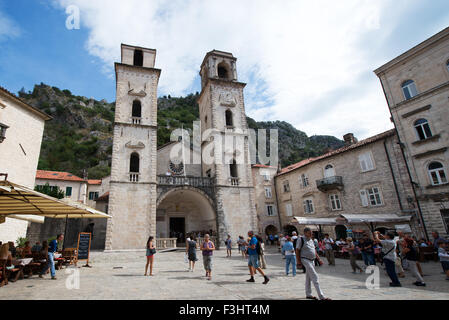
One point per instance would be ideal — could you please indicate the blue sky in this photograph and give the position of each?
(306, 62)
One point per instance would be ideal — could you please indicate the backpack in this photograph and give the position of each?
(258, 248)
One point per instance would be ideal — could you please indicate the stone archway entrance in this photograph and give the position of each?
(271, 230)
(184, 211)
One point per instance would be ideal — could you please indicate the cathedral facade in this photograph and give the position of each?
(162, 192)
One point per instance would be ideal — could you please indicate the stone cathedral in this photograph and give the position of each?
(151, 193)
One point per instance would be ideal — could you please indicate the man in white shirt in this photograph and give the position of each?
(305, 256)
(329, 250)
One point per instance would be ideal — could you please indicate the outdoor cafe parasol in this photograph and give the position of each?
(17, 202)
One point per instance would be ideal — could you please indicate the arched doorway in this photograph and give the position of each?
(288, 229)
(341, 232)
(271, 230)
(185, 211)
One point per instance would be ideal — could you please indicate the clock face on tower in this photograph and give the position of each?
(176, 167)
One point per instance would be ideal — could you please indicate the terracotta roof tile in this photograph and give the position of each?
(103, 197)
(94, 181)
(57, 175)
(372, 139)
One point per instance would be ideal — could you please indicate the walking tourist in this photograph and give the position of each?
(151, 251)
(367, 248)
(411, 255)
(290, 257)
(353, 251)
(262, 261)
(228, 243)
(253, 258)
(305, 255)
(282, 240)
(444, 257)
(240, 243)
(207, 248)
(52, 249)
(271, 238)
(389, 255)
(398, 263)
(191, 252)
(329, 250)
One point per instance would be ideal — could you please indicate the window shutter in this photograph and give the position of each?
(274, 210)
(364, 198)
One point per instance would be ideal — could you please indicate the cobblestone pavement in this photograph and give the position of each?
(119, 275)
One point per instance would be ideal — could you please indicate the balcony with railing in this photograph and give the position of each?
(134, 177)
(330, 183)
(234, 181)
(136, 120)
(166, 183)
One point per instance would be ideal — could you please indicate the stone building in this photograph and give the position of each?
(266, 199)
(21, 131)
(416, 87)
(86, 191)
(353, 186)
(154, 193)
(74, 187)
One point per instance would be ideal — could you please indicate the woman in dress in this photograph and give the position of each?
(191, 252)
(151, 250)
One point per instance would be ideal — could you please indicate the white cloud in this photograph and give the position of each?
(306, 62)
(8, 28)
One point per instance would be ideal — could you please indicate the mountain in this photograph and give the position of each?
(79, 137)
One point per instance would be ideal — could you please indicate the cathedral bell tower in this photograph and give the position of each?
(225, 140)
(132, 198)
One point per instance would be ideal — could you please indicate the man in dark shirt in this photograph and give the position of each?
(52, 249)
(366, 247)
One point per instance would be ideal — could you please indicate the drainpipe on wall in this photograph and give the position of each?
(406, 165)
(393, 176)
(277, 203)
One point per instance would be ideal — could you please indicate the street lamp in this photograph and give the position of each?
(3, 128)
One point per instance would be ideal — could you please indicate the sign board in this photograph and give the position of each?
(83, 248)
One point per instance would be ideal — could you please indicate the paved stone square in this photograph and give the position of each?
(119, 275)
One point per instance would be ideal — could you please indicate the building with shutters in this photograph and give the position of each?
(364, 180)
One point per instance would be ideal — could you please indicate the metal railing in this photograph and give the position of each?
(330, 182)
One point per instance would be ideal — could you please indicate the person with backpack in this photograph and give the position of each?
(305, 256)
(388, 255)
(253, 258)
(411, 255)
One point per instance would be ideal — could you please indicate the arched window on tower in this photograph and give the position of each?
(136, 112)
(138, 58)
(134, 167)
(223, 71)
(229, 120)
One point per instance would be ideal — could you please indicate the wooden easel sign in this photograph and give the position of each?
(83, 248)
